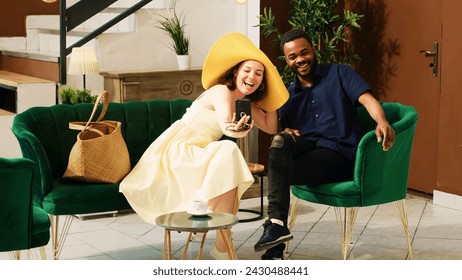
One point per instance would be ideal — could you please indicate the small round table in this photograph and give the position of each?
(182, 221)
(258, 170)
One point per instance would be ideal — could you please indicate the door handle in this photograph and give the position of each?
(434, 54)
(428, 53)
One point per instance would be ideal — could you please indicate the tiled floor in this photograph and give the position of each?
(436, 234)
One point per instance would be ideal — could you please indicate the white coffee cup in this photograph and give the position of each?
(200, 206)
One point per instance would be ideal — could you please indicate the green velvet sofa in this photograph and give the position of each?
(45, 138)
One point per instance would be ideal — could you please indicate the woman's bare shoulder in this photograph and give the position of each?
(218, 92)
(219, 89)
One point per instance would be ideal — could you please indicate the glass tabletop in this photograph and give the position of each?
(182, 221)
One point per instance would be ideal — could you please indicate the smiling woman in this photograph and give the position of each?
(191, 159)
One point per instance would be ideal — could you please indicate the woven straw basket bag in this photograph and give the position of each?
(100, 153)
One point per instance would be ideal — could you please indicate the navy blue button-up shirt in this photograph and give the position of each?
(326, 111)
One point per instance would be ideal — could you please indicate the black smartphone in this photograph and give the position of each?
(243, 109)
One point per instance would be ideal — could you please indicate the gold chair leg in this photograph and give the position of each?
(43, 254)
(401, 207)
(346, 223)
(58, 239)
(295, 206)
(15, 255)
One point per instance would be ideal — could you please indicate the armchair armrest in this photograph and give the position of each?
(16, 188)
(382, 174)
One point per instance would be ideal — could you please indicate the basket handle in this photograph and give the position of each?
(79, 126)
(103, 95)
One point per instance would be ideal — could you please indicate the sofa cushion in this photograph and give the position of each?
(72, 197)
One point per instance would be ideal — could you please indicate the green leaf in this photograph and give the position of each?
(325, 23)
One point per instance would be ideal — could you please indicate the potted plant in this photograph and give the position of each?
(175, 28)
(326, 23)
(70, 95)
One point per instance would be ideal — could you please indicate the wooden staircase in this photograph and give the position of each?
(30, 68)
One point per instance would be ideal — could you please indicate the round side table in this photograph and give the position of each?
(182, 221)
(257, 170)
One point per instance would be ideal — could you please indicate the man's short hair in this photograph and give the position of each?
(292, 35)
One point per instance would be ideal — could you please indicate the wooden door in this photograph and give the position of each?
(450, 126)
(390, 42)
(391, 45)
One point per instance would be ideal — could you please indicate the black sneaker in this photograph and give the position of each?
(275, 253)
(273, 234)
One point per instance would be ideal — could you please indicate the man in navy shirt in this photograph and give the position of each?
(320, 133)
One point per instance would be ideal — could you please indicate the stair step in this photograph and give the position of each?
(155, 4)
(12, 43)
(124, 4)
(43, 30)
(50, 42)
(34, 54)
(39, 64)
(50, 23)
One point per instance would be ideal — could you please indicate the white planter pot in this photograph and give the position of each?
(184, 62)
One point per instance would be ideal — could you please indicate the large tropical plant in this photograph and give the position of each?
(326, 23)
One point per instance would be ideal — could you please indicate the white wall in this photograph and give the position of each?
(206, 20)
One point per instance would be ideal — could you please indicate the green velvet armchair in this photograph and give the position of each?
(24, 225)
(379, 177)
(45, 138)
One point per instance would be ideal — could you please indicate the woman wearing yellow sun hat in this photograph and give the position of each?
(189, 161)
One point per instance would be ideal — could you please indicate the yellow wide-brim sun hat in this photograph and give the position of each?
(228, 51)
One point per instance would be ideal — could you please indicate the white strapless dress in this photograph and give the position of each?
(186, 162)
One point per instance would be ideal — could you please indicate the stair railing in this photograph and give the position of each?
(78, 13)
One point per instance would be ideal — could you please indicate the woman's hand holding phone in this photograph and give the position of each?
(242, 118)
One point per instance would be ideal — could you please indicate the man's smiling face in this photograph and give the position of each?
(300, 57)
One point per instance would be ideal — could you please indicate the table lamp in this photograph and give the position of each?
(83, 61)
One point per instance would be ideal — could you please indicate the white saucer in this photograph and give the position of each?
(200, 214)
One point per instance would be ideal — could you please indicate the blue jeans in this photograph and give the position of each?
(297, 161)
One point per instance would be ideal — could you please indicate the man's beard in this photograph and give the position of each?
(307, 74)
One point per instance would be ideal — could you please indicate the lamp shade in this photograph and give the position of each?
(83, 61)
